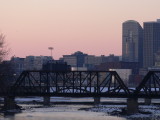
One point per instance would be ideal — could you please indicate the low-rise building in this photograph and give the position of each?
(36, 62)
(17, 65)
(119, 65)
(75, 60)
(78, 68)
(91, 60)
(124, 74)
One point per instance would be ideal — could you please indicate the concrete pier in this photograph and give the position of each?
(132, 105)
(9, 103)
(97, 100)
(147, 101)
(46, 100)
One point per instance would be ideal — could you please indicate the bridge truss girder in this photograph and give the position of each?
(150, 86)
(69, 83)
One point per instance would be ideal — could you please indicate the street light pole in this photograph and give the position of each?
(50, 48)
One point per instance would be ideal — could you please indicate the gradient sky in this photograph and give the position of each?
(90, 26)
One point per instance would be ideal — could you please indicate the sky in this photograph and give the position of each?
(90, 26)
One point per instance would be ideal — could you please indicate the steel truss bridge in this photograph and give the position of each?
(82, 84)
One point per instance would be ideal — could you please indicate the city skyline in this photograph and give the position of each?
(94, 27)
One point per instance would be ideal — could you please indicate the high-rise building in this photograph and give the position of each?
(151, 43)
(132, 42)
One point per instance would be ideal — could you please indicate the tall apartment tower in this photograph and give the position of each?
(151, 44)
(132, 42)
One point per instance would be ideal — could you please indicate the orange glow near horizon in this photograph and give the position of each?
(90, 26)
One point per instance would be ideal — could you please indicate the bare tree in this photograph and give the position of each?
(5, 67)
(3, 49)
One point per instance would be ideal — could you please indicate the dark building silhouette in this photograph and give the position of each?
(151, 43)
(132, 43)
(56, 66)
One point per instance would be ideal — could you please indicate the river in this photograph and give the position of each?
(37, 111)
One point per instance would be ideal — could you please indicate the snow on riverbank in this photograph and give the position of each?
(146, 112)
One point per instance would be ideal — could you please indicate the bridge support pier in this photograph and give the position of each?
(46, 100)
(9, 103)
(132, 105)
(147, 101)
(97, 100)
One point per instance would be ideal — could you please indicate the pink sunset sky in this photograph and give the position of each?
(90, 26)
